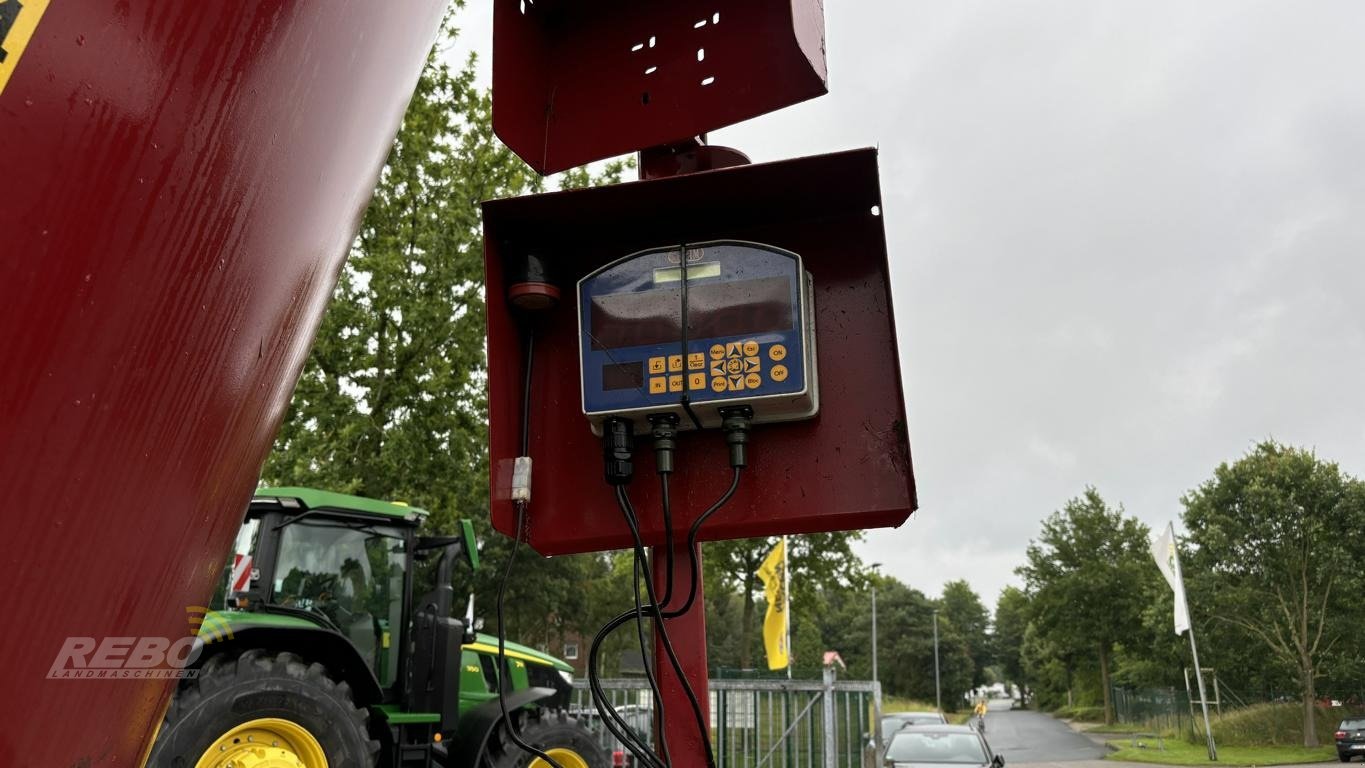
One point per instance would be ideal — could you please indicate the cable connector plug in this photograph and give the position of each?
(618, 446)
(664, 428)
(521, 479)
(735, 422)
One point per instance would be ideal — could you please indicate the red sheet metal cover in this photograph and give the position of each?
(579, 81)
(180, 183)
(848, 468)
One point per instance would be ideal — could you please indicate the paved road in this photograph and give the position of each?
(1034, 740)
(1025, 737)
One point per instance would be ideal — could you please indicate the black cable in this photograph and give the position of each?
(618, 469)
(692, 533)
(526, 391)
(668, 540)
(516, 544)
(662, 630)
(502, 640)
(645, 655)
(685, 400)
(610, 717)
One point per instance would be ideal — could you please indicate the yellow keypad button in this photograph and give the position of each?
(753, 381)
(696, 381)
(696, 361)
(717, 351)
(778, 373)
(750, 348)
(718, 368)
(752, 365)
(734, 365)
(674, 363)
(718, 384)
(675, 383)
(734, 349)
(736, 384)
(777, 352)
(656, 364)
(658, 385)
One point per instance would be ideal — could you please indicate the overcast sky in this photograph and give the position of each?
(1127, 242)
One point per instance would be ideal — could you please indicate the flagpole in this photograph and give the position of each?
(787, 609)
(1194, 652)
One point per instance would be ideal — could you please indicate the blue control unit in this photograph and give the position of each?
(698, 327)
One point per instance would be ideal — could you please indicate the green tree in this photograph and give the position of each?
(817, 561)
(392, 403)
(1085, 576)
(1276, 539)
(1012, 613)
(905, 642)
(962, 607)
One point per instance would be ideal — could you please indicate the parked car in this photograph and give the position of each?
(929, 745)
(1351, 738)
(894, 721)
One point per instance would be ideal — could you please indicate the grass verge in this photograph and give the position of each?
(1180, 752)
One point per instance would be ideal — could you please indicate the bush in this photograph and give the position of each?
(1272, 724)
(1084, 714)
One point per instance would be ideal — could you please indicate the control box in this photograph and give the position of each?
(690, 328)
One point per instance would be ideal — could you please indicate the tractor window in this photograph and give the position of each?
(241, 565)
(352, 574)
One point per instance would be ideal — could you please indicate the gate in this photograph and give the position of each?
(761, 723)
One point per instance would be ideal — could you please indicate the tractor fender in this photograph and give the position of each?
(475, 726)
(315, 644)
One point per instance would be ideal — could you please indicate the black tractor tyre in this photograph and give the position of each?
(548, 731)
(231, 691)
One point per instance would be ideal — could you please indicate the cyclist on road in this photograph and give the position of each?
(980, 711)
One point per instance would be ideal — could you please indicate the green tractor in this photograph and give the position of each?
(330, 655)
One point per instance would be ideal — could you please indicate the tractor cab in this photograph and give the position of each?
(343, 562)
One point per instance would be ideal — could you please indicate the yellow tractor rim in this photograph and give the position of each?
(567, 758)
(267, 742)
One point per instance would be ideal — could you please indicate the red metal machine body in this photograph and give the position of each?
(576, 82)
(181, 184)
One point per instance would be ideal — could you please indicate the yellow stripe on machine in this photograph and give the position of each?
(18, 21)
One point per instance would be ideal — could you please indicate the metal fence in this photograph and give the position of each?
(1163, 710)
(763, 723)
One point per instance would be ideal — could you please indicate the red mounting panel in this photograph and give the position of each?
(578, 81)
(848, 468)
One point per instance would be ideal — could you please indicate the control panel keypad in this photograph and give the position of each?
(736, 366)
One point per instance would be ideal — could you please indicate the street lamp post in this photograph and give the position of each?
(875, 679)
(938, 692)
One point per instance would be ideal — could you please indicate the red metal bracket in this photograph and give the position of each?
(580, 81)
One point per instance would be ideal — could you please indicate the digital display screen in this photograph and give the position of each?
(694, 272)
(623, 375)
(741, 307)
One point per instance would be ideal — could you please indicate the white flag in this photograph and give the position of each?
(1168, 560)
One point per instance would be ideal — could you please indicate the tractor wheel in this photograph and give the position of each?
(265, 709)
(558, 735)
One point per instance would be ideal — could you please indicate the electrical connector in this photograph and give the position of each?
(521, 479)
(664, 428)
(618, 447)
(735, 422)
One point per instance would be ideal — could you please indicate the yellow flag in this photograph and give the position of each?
(773, 574)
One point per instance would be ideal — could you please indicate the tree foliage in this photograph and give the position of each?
(1012, 613)
(1085, 577)
(963, 609)
(392, 401)
(1276, 540)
